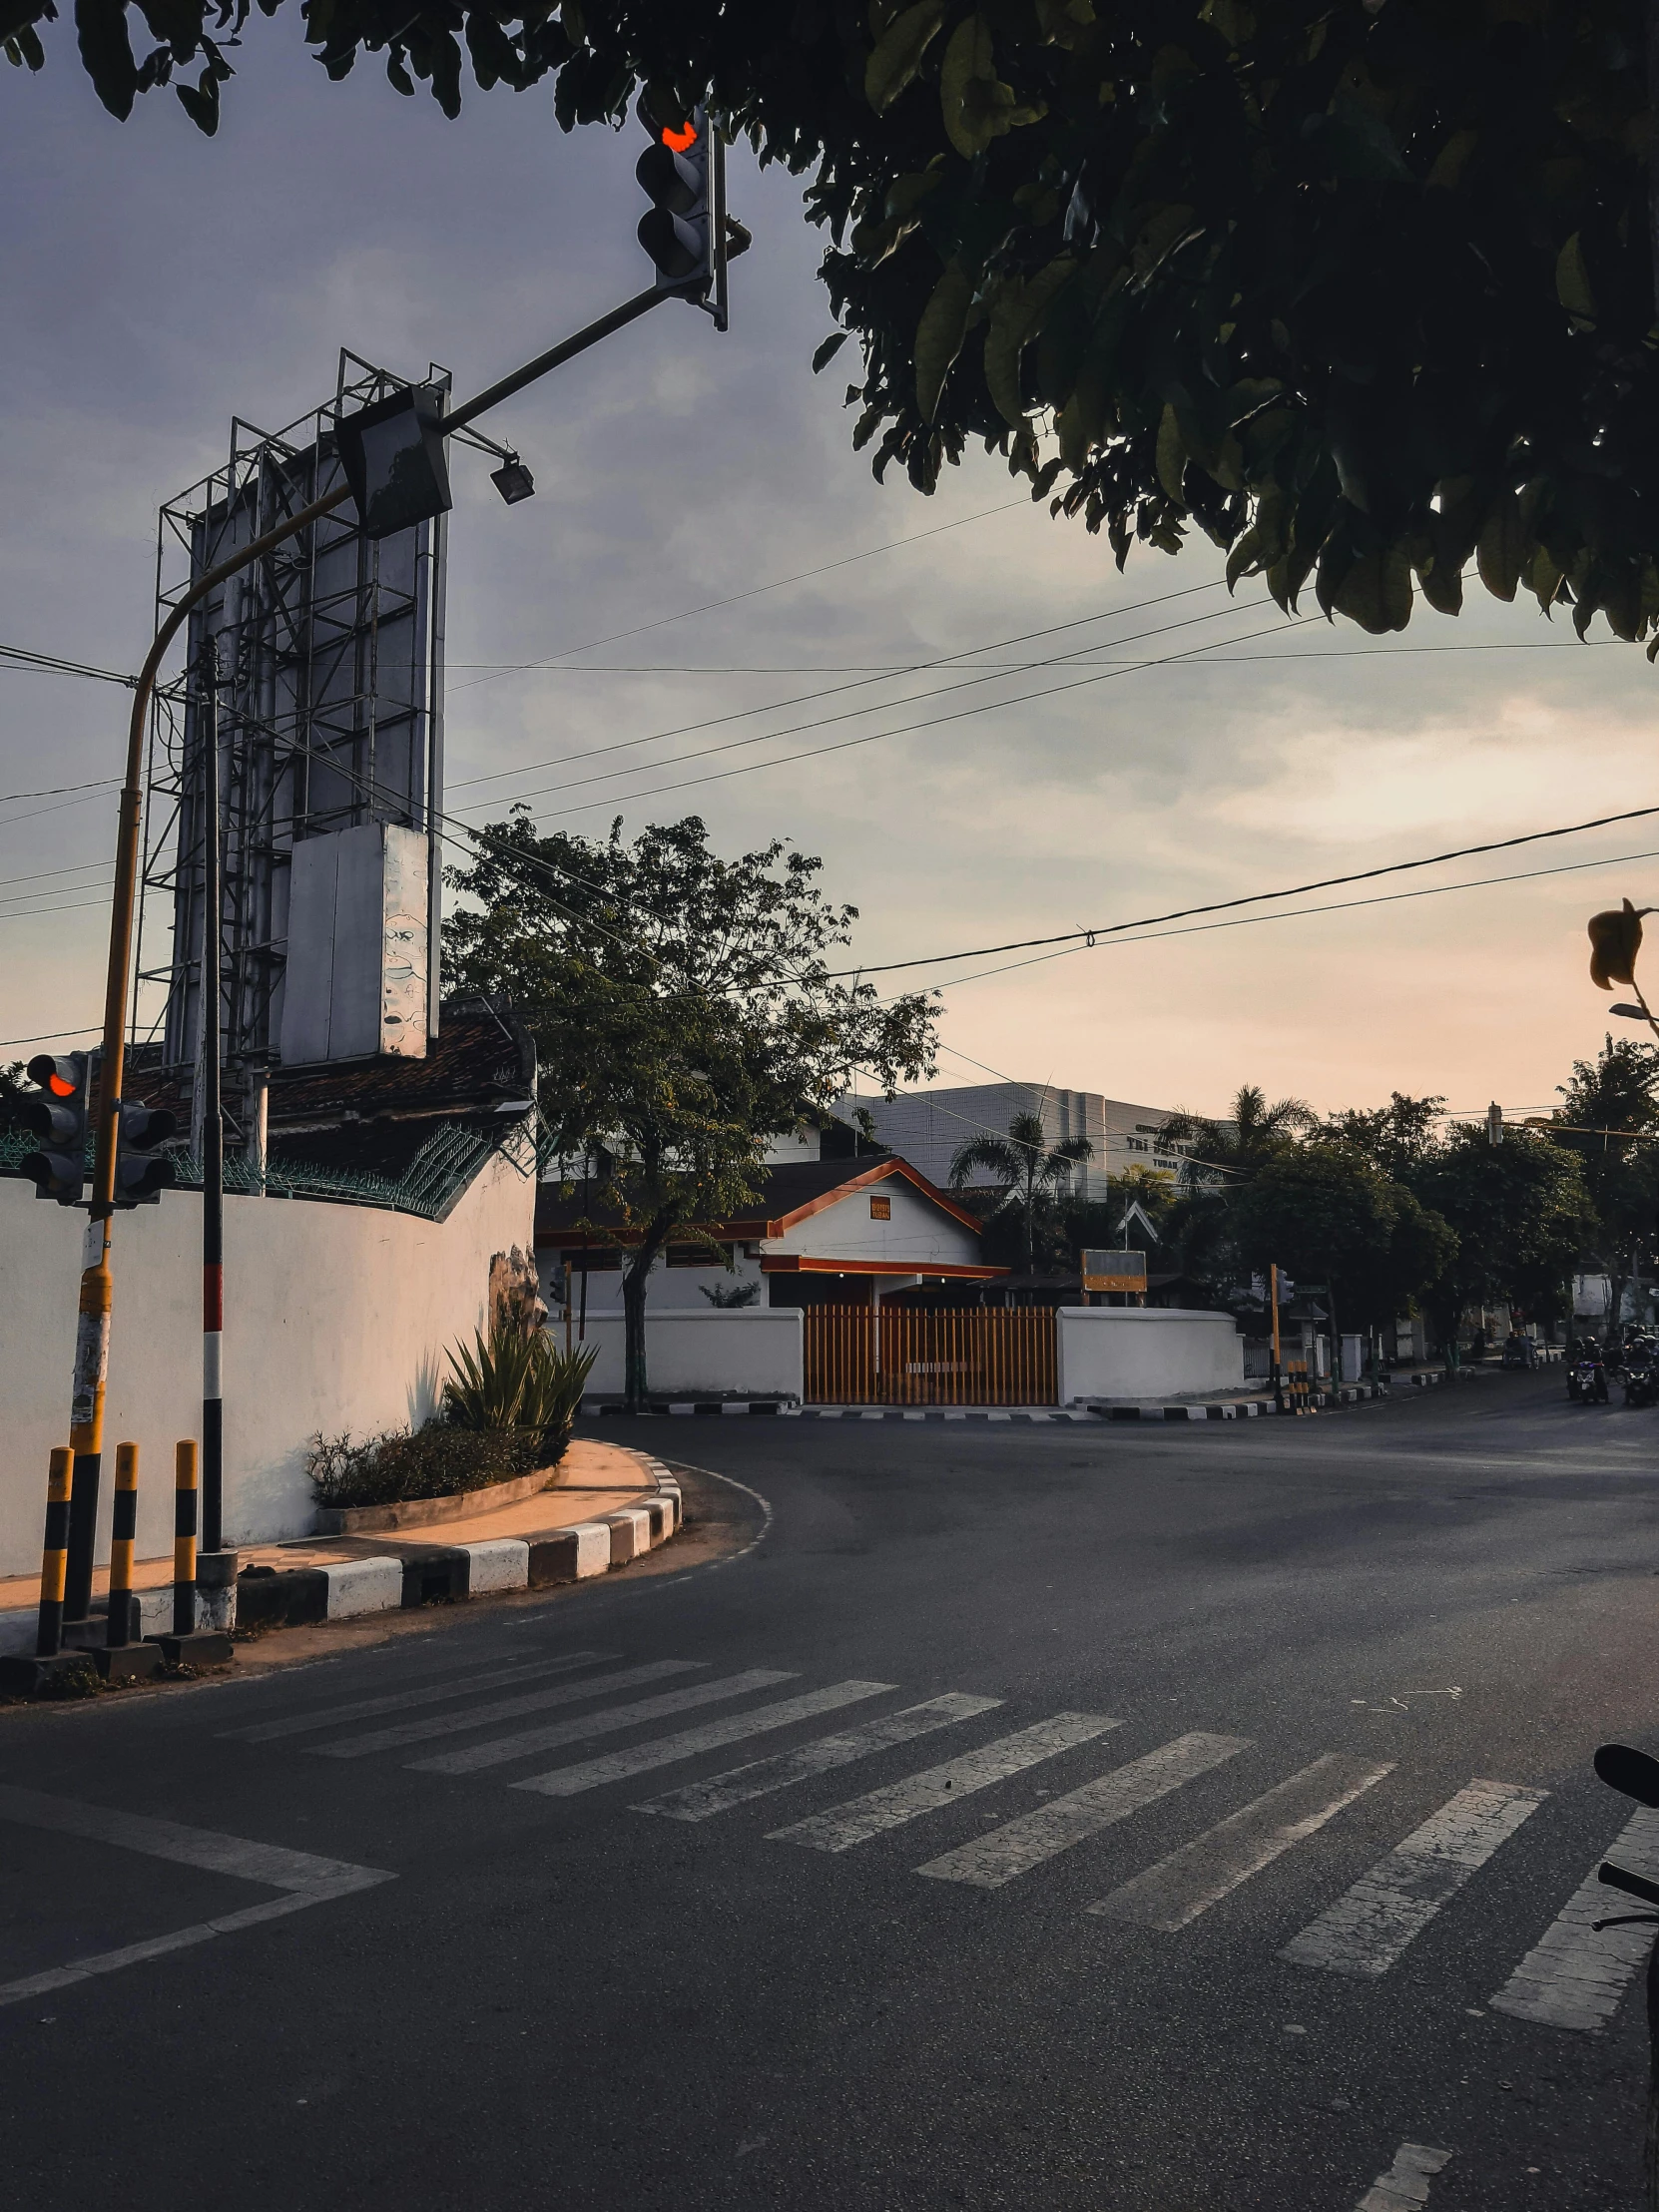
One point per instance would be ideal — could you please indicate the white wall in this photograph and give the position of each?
(704, 1353)
(675, 1288)
(919, 1234)
(1146, 1351)
(335, 1318)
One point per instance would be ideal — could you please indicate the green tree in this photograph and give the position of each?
(1361, 292)
(1395, 1138)
(1035, 1173)
(1327, 1213)
(1522, 1214)
(1611, 1111)
(682, 1012)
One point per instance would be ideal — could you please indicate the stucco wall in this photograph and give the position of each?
(1146, 1351)
(335, 1318)
(918, 1232)
(704, 1353)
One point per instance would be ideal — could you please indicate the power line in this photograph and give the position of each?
(807, 699)
(1295, 891)
(756, 591)
(52, 663)
(907, 728)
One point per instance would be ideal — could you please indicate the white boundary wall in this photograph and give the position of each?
(748, 1352)
(335, 1318)
(1138, 1351)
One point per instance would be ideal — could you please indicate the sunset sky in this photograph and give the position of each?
(156, 282)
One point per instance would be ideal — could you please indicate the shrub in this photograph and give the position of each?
(434, 1462)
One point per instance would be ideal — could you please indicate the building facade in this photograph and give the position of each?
(928, 1127)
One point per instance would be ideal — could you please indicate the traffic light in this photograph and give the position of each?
(681, 172)
(142, 1173)
(60, 1118)
(1494, 1123)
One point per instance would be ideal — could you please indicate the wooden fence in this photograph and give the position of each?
(938, 1357)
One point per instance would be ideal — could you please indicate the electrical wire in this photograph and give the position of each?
(836, 691)
(1295, 890)
(52, 663)
(757, 591)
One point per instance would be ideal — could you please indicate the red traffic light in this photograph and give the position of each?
(679, 138)
(60, 1078)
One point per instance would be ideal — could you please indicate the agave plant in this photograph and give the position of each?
(515, 1380)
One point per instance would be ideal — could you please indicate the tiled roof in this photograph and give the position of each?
(784, 1191)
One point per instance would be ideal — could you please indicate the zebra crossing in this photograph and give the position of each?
(1572, 1977)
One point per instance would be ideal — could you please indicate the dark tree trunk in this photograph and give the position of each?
(635, 1379)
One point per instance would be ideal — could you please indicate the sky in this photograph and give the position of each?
(154, 282)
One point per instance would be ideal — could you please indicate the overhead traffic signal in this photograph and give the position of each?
(142, 1173)
(59, 1117)
(683, 171)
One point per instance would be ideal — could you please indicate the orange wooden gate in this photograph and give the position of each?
(942, 1355)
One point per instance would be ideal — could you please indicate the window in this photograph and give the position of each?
(695, 1256)
(880, 1209)
(597, 1262)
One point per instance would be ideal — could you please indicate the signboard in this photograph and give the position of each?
(1114, 1270)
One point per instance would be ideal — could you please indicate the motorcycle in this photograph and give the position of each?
(1587, 1377)
(1641, 1373)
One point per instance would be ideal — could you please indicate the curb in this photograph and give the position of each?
(713, 1408)
(417, 1573)
(445, 1575)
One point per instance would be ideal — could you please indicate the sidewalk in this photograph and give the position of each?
(611, 1505)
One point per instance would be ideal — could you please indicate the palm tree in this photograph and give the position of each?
(1028, 1165)
(1251, 1134)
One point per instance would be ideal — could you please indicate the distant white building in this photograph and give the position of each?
(928, 1127)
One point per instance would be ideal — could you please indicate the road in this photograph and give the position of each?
(1065, 1871)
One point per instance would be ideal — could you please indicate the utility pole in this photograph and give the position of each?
(215, 1568)
(680, 275)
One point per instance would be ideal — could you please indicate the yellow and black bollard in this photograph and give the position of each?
(54, 1554)
(121, 1534)
(184, 1537)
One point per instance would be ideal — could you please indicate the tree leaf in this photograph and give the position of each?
(976, 105)
(1172, 454)
(939, 335)
(1502, 549)
(828, 349)
(1016, 319)
(1572, 283)
(899, 51)
(200, 101)
(1377, 591)
(107, 51)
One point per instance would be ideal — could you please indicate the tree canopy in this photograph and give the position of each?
(1360, 289)
(682, 1013)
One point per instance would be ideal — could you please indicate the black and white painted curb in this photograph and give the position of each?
(595, 1408)
(423, 1573)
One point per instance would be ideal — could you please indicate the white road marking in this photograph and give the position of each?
(505, 1708)
(400, 1701)
(306, 1878)
(1575, 1977)
(1406, 2184)
(1193, 1879)
(700, 1801)
(1019, 1845)
(500, 1748)
(663, 1750)
(860, 1818)
(1368, 1926)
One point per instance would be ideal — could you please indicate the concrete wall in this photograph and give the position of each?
(754, 1352)
(1146, 1351)
(336, 1318)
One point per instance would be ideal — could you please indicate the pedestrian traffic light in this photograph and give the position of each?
(59, 1118)
(680, 171)
(142, 1173)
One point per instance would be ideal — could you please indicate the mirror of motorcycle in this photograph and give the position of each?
(1633, 1773)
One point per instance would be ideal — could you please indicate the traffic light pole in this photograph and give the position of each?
(92, 1334)
(213, 1131)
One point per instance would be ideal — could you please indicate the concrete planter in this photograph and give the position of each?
(429, 1512)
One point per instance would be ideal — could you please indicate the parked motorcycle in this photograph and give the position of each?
(1588, 1375)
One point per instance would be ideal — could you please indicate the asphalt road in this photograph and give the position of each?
(561, 1999)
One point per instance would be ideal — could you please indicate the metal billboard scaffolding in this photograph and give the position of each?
(331, 654)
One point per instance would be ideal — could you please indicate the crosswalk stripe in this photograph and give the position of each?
(400, 1701)
(616, 1766)
(1019, 1845)
(1575, 1977)
(860, 1818)
(1368, 1926)
(506, 1708)
(500, 1748)
(701, 1800)
(1190, 1880)
(1406, 2184)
